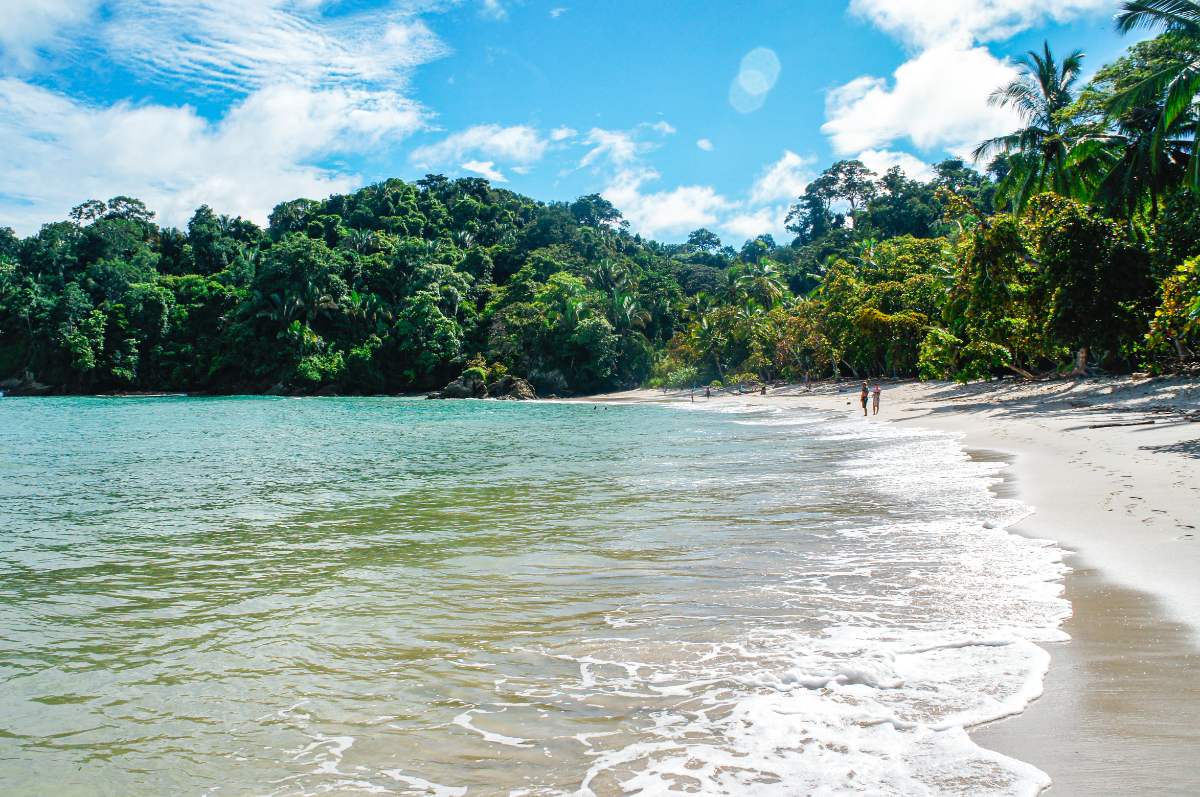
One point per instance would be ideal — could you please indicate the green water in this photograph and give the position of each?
(341, 596)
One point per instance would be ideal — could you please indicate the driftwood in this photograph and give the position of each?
(1109, 425)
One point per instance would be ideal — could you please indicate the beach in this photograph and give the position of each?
(1111, 468)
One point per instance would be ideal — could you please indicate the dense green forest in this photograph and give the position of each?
(1077, 248)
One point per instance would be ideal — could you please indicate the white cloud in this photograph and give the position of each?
(245, 45)
(937, 99)
(705, 144)
(555, 13)
(929, 23)
(485, 169)
(563, 133)
(879, 161)
(785, 179)
(761, 221)
(517, 144)
(620, 147)
(493, 9)
(56, 152)
(33, 25)
(673, 212)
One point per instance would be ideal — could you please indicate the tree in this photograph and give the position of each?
(761, 281)
(1097, 281)
(596, 211)
(1038, 153)
(1178, 82)
(704, 241)
(1124, 155)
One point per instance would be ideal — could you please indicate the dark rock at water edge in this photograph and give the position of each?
(26, 385)
(513, 388)
(508, 388)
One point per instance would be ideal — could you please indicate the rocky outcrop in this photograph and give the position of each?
(465, 387)
(512, 388)
(508, 388)
(25, 385)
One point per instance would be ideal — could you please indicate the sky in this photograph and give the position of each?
(683, 113)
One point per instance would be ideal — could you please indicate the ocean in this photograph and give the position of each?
(277, 596)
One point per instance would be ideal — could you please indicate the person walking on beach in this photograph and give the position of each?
(875, 399)
(865, 393)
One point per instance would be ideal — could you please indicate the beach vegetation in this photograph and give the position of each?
(1070, 245)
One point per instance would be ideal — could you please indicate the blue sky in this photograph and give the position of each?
(684, 114)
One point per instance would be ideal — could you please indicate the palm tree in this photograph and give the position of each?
(610, 277)
(761, 281)
(1176, 86)
(1038, 152)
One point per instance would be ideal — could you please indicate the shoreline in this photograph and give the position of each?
(1111, 468)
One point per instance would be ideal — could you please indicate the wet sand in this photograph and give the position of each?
(1112, 469)
(1119, 711)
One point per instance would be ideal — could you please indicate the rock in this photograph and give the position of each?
(26, 385)
(513, 388)
(465, 387)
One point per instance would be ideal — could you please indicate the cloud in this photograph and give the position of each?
(555, 13)
(493, 9)
(55, 152)
(761, 221)
(673, 212)
(301, 80)
(619, 148)
(563, 133)
(246, 45)
(879, 161)
(785, 179)
(30, 26)
(486, 169)
(517, 144)
(937, 99)
(929, 23)
(705, 144)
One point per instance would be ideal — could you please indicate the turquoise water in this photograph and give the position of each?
(269, 596)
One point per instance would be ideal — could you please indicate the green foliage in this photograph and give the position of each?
(400, 286)
(1176, 322)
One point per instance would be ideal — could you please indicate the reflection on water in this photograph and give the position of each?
(289, 597)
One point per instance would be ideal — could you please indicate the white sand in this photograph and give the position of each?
(1121, 700)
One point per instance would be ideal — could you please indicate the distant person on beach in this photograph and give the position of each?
(875, 399)
(865, 393)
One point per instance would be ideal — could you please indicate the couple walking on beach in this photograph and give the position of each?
(874, 394)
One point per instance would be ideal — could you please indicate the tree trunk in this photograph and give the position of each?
(1021, 372)
(1081, 358)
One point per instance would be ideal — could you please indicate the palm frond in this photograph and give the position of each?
(1180, 15)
